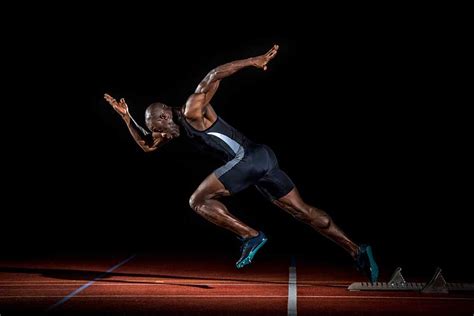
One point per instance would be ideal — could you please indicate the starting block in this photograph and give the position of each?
(397, 282)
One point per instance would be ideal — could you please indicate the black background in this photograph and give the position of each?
(366, 108)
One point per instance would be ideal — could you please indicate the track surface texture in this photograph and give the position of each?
(145, 284)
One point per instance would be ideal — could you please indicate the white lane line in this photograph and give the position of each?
(85, 286)
(292, 310)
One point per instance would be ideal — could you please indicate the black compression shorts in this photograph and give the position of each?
(255, 165)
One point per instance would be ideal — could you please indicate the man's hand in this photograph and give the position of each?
(121, 107)
(262, 61)
(146, 140)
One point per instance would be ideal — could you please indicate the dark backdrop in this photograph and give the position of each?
(367, 113)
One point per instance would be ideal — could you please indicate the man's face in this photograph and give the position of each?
(160, 120)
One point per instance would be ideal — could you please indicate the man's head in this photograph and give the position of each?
(159, 119)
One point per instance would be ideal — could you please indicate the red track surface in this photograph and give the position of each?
(187, 286)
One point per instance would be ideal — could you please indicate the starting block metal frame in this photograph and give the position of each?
(397, 282)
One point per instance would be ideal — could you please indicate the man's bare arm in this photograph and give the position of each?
(208, 86)
(146, 140)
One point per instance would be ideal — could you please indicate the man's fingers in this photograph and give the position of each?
(270, 55)
(109, 98)
(273, 52)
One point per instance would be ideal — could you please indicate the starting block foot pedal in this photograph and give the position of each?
(397, 282)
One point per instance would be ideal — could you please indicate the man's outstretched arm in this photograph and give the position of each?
(146, 140)
(208, 86)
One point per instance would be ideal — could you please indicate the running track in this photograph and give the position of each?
(130, 284)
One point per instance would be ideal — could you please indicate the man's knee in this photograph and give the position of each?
(196, 202)
(200, 203)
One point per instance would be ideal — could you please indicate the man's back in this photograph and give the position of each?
(221, 138)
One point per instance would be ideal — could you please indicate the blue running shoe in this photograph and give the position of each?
(249, 248)
(366, 264)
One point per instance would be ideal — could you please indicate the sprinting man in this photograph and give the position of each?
(246, 164)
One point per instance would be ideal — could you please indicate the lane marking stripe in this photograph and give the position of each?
(292, 310)
(85, 286)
